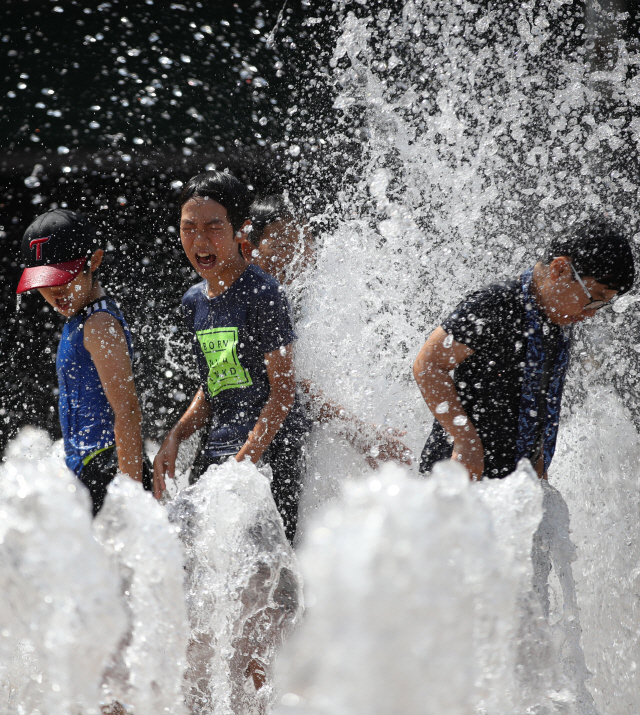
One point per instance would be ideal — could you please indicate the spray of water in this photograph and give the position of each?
(243, 587)
(420, 599)
(60, 615)
(480, 132)
(146, 672)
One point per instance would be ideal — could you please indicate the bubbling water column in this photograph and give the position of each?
(422, 597)
(243, 588)
(60, 614)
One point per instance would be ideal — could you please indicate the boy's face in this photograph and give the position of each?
(284, 250)
(70, 298)
(208, 238)
(566, 300)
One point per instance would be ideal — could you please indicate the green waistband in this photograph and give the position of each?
(89, 457)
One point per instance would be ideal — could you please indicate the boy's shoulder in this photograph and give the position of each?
(103, 318)
(254, 277)
(196, 291)
(493, 297)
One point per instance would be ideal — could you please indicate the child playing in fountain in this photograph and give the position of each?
(283, 246)
(99, 410)
(238, 317)
(508, 346)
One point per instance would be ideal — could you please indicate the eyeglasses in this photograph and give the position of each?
(592, 304)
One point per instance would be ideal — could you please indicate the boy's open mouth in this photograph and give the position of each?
(63, 304)
(205, 260)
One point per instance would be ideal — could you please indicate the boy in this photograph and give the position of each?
(99, 410)
(242, 335)
(508, 346)
(283, 247)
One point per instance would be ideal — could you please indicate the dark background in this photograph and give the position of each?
(107, 108)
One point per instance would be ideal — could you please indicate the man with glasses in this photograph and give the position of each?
(508, 346)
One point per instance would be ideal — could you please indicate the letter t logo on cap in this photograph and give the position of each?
(37, 242)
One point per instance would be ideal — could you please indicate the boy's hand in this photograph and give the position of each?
(469, 452)
(165, 463)
(389, 449)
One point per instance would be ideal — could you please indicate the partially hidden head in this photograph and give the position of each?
(278, 241)
(589, 265)
(61, 251)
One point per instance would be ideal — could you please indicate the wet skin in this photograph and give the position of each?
(561, 296)
(210, 243)
(72, 297)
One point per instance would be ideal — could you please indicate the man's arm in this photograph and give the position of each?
(195, 417)
(438, 356)
(280, 372)
(361, 436)
(106, 343)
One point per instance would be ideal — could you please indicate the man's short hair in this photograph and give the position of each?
(598, 249)
(265, 211)
(222, 188)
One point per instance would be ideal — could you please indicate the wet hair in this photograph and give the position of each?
(223, 188)
(598, 249)
(265, 211)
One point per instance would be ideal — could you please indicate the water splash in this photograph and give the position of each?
(243, 587)
(597, 470)
(147, 670)
(60, 615)
(420, 600)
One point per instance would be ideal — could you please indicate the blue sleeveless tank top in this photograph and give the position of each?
(86, 417)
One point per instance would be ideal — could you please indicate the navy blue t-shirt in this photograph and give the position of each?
(231, 334)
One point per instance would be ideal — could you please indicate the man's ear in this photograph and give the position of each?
(96, 260)
(560, 267)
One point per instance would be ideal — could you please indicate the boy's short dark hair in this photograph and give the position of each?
(264, 211)
(223, 188)
(598, 249)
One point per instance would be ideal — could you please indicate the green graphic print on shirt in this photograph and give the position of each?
(219, 346)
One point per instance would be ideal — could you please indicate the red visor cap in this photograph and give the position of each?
(50, 276)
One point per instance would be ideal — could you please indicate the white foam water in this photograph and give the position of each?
(243, 587)
(596, 467)
(146, 672)
(60, 612)
(421, 599)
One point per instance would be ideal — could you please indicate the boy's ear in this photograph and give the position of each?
(560, 266)
(96, 260)
(246, 248)
(242, 234)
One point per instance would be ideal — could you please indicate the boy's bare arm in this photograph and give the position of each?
(195, 417)
(362, 436)
(282, 386)
(105, 340)
(438, 356)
